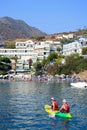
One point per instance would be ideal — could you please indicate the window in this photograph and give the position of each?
(44, 53)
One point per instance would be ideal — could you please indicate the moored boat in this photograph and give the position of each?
(79, 85)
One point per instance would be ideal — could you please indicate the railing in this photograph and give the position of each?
(9, 64)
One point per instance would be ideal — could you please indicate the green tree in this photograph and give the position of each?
(84, 50)
(44, 62)
(72, 62)
(10, 45)
(38, 68)
(40, 38)
(59, 59)
(5, 65)
(52, 57)
(65, 40)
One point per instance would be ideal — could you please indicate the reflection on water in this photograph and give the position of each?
(22, 106)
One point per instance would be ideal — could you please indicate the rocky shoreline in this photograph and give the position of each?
(81, 75)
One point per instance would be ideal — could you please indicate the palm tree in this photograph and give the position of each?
(15, 62)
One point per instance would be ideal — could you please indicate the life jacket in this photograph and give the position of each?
(67, 108)
(55, 105)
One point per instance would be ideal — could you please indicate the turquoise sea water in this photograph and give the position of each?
(22, 106)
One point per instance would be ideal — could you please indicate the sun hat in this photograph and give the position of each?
(64, 100)
(52, 98)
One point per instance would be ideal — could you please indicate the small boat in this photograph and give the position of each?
(56, 112)
(79, 85)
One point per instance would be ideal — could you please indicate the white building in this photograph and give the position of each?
(27, 50)
(73, 47)
(67, 36)
(55, 46)
(42, 49)
(25, 45)
(83, 41)
(30, 50)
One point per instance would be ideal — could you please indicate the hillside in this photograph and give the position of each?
(12, 29)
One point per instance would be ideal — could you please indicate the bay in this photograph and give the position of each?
(22, 106)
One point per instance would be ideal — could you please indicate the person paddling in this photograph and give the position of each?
(54, 105)
(65, 107)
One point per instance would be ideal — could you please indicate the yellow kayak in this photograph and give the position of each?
(49, 110)
(56, 113)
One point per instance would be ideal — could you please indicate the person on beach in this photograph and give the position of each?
(65, 107)
(54, 105)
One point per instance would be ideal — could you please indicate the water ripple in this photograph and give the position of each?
(22, 106)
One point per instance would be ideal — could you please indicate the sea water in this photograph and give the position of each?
(22, 106)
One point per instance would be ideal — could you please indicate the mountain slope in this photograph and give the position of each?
(12, 29)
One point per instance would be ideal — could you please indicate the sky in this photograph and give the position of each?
(49, 16)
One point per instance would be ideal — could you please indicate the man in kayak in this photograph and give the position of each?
(65, 107)
(54, 104)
